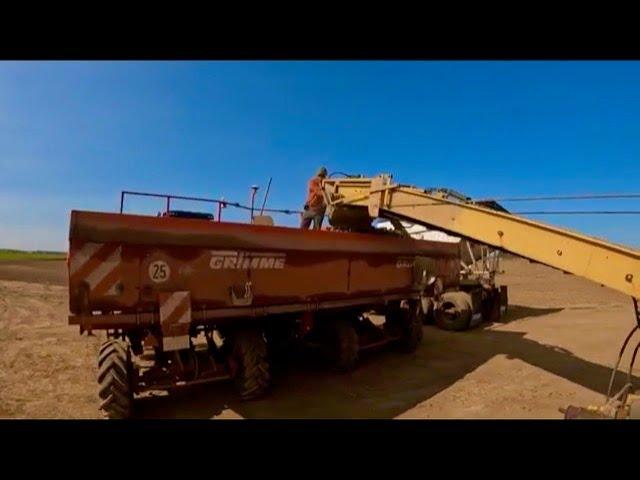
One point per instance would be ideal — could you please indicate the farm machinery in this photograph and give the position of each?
(354, 203)
(187, 299)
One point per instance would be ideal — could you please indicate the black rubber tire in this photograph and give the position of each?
(341, 345)
(408, 323)
(454, 311)
(412, 331)
(249, 351)
(491, 308)
(426, 315)
(504, 300)
(115, 371)
(281, 343)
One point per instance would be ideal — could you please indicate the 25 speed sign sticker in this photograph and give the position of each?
(159, 271)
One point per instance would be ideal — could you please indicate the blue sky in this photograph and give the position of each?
(73, 134)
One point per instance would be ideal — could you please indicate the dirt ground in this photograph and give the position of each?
(560, 338)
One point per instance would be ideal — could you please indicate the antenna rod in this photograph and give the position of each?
(254, 190)
(266, 195)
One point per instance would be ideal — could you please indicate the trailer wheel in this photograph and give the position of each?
(406, 322)
(504, 300)
(491, 307)
(115, 370)
(454, 312)
(426, 311)
(250, 355)
(412, 331)
(341, 345)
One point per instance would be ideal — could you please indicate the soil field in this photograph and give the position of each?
(555, 348)
(51, 272)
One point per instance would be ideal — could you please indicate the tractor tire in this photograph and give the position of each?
(454, 311)
(491, 308)
(407, 322)
(250, 355)
(426, 311)
(115, 373)
(504, 300)
(341, 345)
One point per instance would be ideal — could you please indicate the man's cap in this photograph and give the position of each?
(322, 172)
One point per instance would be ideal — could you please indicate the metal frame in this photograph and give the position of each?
(221, 203)
(203, 316)
(168, 197)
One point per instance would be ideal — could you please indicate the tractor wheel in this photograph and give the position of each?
(407, 322)
(454, 311)
(491, 311)
(341, 344)
(115, 370)
(504, 300)
(250, 356)
(426, 311)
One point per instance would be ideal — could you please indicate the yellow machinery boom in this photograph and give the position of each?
(358, 200)
(354, 202)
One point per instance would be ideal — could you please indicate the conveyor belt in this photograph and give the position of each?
(358, 200)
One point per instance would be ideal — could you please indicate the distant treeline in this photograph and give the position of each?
(45, 252)
(8, 254)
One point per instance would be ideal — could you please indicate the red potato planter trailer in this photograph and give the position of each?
(187, 301)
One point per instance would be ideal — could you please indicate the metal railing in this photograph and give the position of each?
(221, 203)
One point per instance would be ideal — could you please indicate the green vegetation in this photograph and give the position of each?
(15, 255)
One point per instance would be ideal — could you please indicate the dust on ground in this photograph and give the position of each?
(560, 338)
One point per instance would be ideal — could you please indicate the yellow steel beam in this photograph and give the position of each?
(606, 263)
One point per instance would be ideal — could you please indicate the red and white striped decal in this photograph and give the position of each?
(99, 265)
(175, 319)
